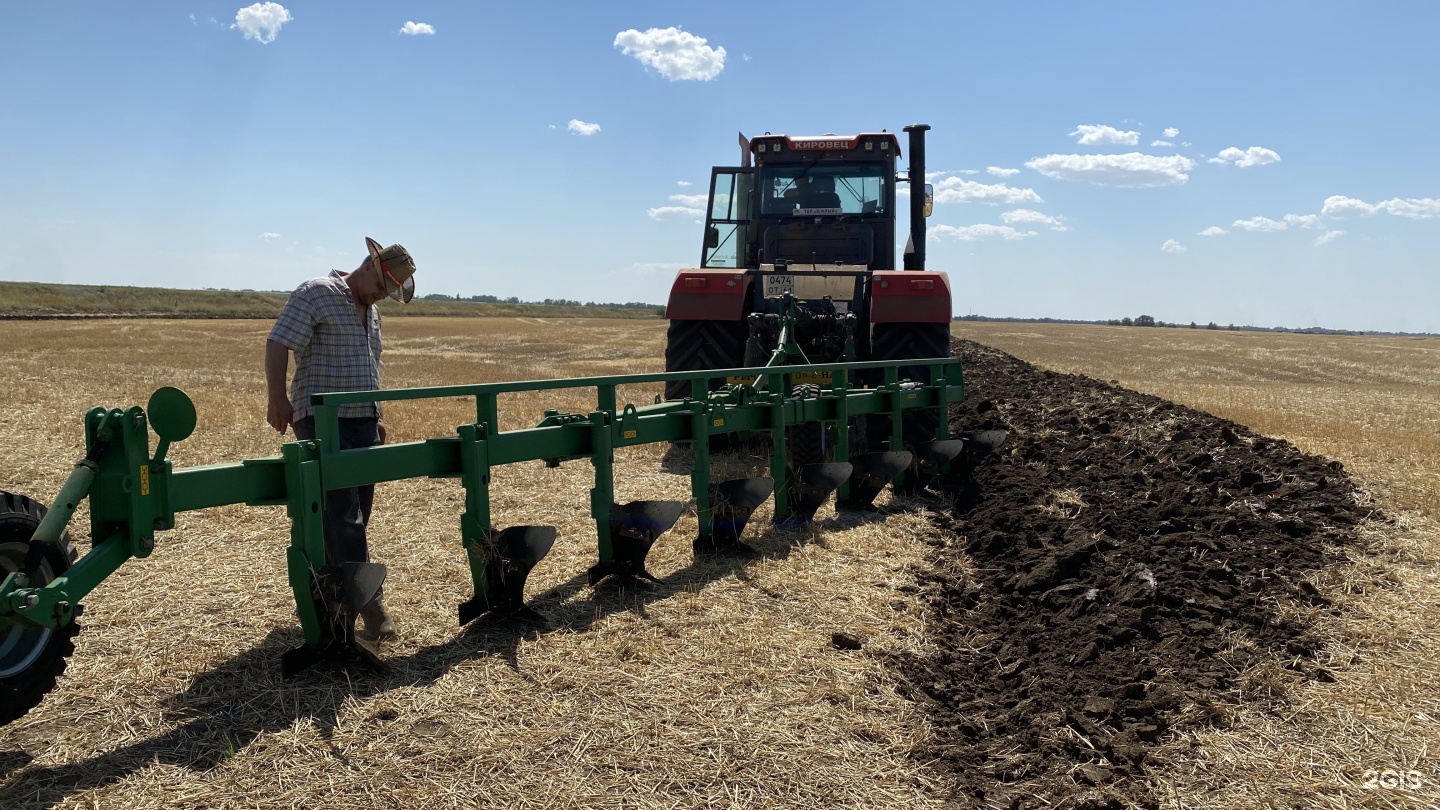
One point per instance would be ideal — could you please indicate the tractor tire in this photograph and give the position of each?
(805, 444)
(30, 658)
(904, 341)
(702, 345)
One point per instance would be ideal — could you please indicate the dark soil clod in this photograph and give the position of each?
(1184, 559)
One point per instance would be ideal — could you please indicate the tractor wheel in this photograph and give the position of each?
(805, 444)
(904, 341)
(31, 658)
(702, 345)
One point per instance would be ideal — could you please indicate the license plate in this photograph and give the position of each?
(778, 285)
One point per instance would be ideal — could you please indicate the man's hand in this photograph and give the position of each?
(380, 429)
(280, 414)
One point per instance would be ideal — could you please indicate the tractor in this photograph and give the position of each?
(798, 266)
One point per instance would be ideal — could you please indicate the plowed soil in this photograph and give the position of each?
(1123, 567)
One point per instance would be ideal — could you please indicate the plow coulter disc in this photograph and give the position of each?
(873, 471)
(512, 553)
(732, 503)
(810, 489)
(31, 658)
(340, 592)
(634, 528)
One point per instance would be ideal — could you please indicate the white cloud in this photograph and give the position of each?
(261, 21)
(1412, 208)
(675, 212)
(1341, 206)
(1328, 236)
(1244, 159)
(956, 189)
(268, 235)
(999, 172)
(677, 55)
(1098, 134)
(582, 127)
(1306, 221)
(1170, 132)
(975, 233)
(1130, 170)
(1026, 215)
(683, 183)
(1214, 230)
(1424, 208)
(1161, 143)
(415, 29)
(1172, 246)
(691, 200)
(1260, 224)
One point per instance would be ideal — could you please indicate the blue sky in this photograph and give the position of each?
(1080, 152)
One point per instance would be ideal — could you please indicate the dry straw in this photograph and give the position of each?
(717, 688)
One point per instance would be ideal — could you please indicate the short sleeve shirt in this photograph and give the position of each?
(335, 349)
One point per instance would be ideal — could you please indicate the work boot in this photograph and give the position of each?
(378, 624)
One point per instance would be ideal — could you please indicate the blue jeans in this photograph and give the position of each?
(347, 511)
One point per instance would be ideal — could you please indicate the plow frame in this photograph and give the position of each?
(134, 493)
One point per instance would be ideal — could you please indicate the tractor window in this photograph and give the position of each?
(731, 193)
(839, 188)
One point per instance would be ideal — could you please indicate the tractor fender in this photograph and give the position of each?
(708, 295)
(909, 296)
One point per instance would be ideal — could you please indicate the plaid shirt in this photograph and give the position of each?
(334, 350)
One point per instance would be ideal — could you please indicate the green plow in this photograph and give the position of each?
(134, 493)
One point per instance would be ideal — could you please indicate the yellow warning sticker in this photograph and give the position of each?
(630, 434)
(144, 479)
(719, 423)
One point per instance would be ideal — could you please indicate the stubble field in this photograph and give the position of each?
(718, 688)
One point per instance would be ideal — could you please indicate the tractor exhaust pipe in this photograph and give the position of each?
(915, 251)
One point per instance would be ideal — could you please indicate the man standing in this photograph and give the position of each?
(332, 325)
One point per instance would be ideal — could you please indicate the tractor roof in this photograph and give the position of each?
(883, 142)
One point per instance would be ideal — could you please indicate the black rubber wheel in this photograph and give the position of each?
(904, 341)
(805, 444)
(30, 658)
(702, 345)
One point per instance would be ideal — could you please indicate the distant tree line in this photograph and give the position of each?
(555, 302)
(1150, 320)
